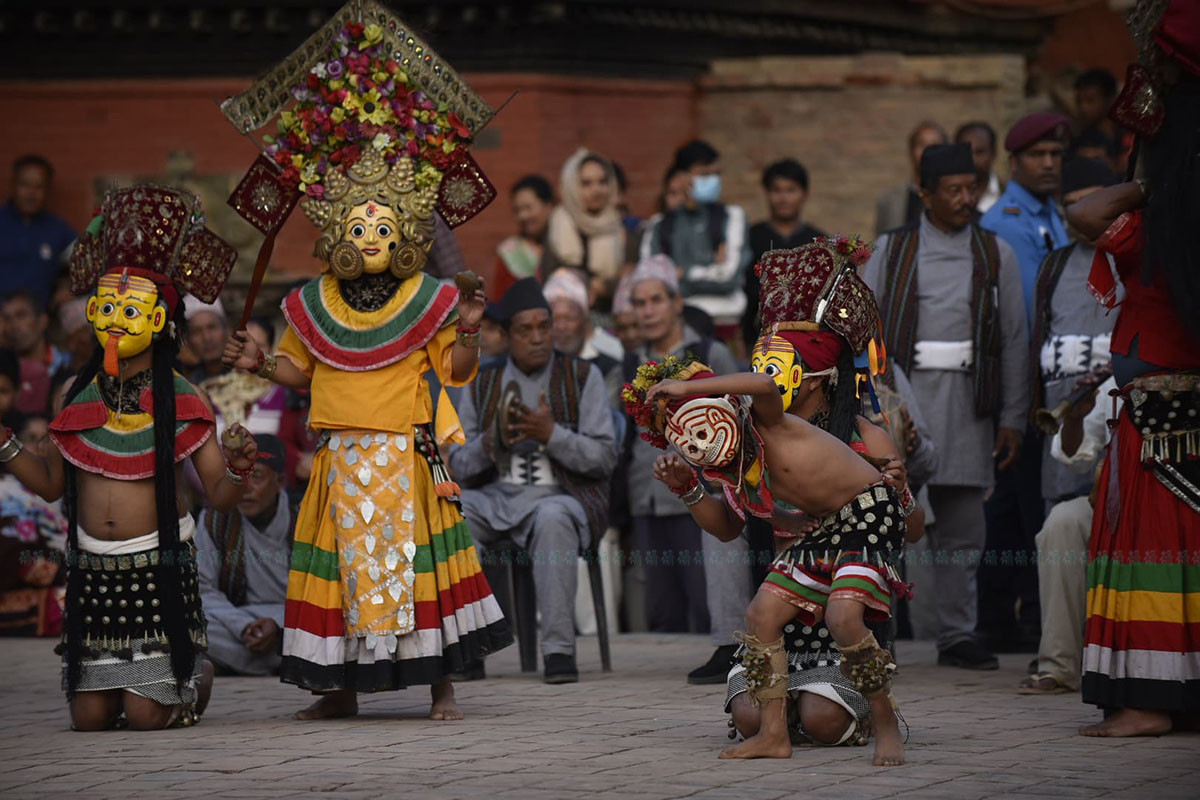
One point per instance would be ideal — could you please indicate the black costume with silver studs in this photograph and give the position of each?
(122, 609)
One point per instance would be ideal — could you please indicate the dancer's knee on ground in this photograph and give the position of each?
(145, 714)
(94, 711)
(822, 720)
(746, 718)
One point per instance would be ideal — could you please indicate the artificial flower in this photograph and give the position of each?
(372, 34)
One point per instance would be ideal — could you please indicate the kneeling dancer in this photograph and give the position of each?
(839, 572)
(134, 630)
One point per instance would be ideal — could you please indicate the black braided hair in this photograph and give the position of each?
(1173, 176)
(74, 620)
(844, 405)
(172, 554)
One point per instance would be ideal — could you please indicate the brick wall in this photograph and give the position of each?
(847, 119)
(124, 129)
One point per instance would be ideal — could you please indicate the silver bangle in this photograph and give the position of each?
(693, 495)
(10, 449)
(233, 477)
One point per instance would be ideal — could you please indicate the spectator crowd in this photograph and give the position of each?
(584, 291)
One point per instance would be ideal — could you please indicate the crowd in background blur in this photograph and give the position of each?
(619, 289)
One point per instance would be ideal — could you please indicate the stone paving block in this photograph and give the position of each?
(639, 732)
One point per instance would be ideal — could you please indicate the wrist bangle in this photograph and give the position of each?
(467, 338)
(237, 476)
(693, 496)
(266, 366)
(11, 447)
(908, 503)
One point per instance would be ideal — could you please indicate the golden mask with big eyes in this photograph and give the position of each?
(125, 315)
(773, 355)
(375, 231)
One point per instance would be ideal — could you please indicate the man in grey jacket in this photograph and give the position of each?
(963, 342)
(693, 582)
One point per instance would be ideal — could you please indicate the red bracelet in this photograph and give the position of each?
(262, 359)
(691, 485)
(241, 473)
(460, 328)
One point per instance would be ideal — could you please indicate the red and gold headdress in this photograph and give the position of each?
(158, 233)
(813, 299)
(817, 284)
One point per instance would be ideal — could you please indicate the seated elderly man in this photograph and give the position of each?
(243, 558)
(536, 464)
(575, 334)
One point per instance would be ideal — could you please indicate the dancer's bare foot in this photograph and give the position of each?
(1130, 722)
(204, 686)
(444, 706)
(889, 744)
(772, 739)
(760, 746)
(342, 703)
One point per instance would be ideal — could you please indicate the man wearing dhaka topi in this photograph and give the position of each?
(385, 589)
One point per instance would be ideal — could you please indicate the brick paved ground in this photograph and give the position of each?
(639, 732)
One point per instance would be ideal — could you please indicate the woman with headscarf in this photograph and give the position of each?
(585, 230)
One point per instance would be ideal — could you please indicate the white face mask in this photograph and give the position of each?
(706, 188)
(705, 431)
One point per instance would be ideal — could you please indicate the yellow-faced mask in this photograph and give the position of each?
(773, 355)
(125, 314)
(373, 243)
(373, 229)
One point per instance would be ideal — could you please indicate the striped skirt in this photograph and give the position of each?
(385, 589)
(1142, 643)
(850, 556)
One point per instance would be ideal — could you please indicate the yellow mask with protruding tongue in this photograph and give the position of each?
(125, 314)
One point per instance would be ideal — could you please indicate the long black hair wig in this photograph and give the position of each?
(1172, 171)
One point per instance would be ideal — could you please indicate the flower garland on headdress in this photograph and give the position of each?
(360, 97)
(744, 480)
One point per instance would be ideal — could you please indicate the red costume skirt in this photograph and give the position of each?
(1142, 643)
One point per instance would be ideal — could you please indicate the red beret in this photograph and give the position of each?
(1037, 127)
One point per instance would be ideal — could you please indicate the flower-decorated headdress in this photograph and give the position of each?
(364, 110)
